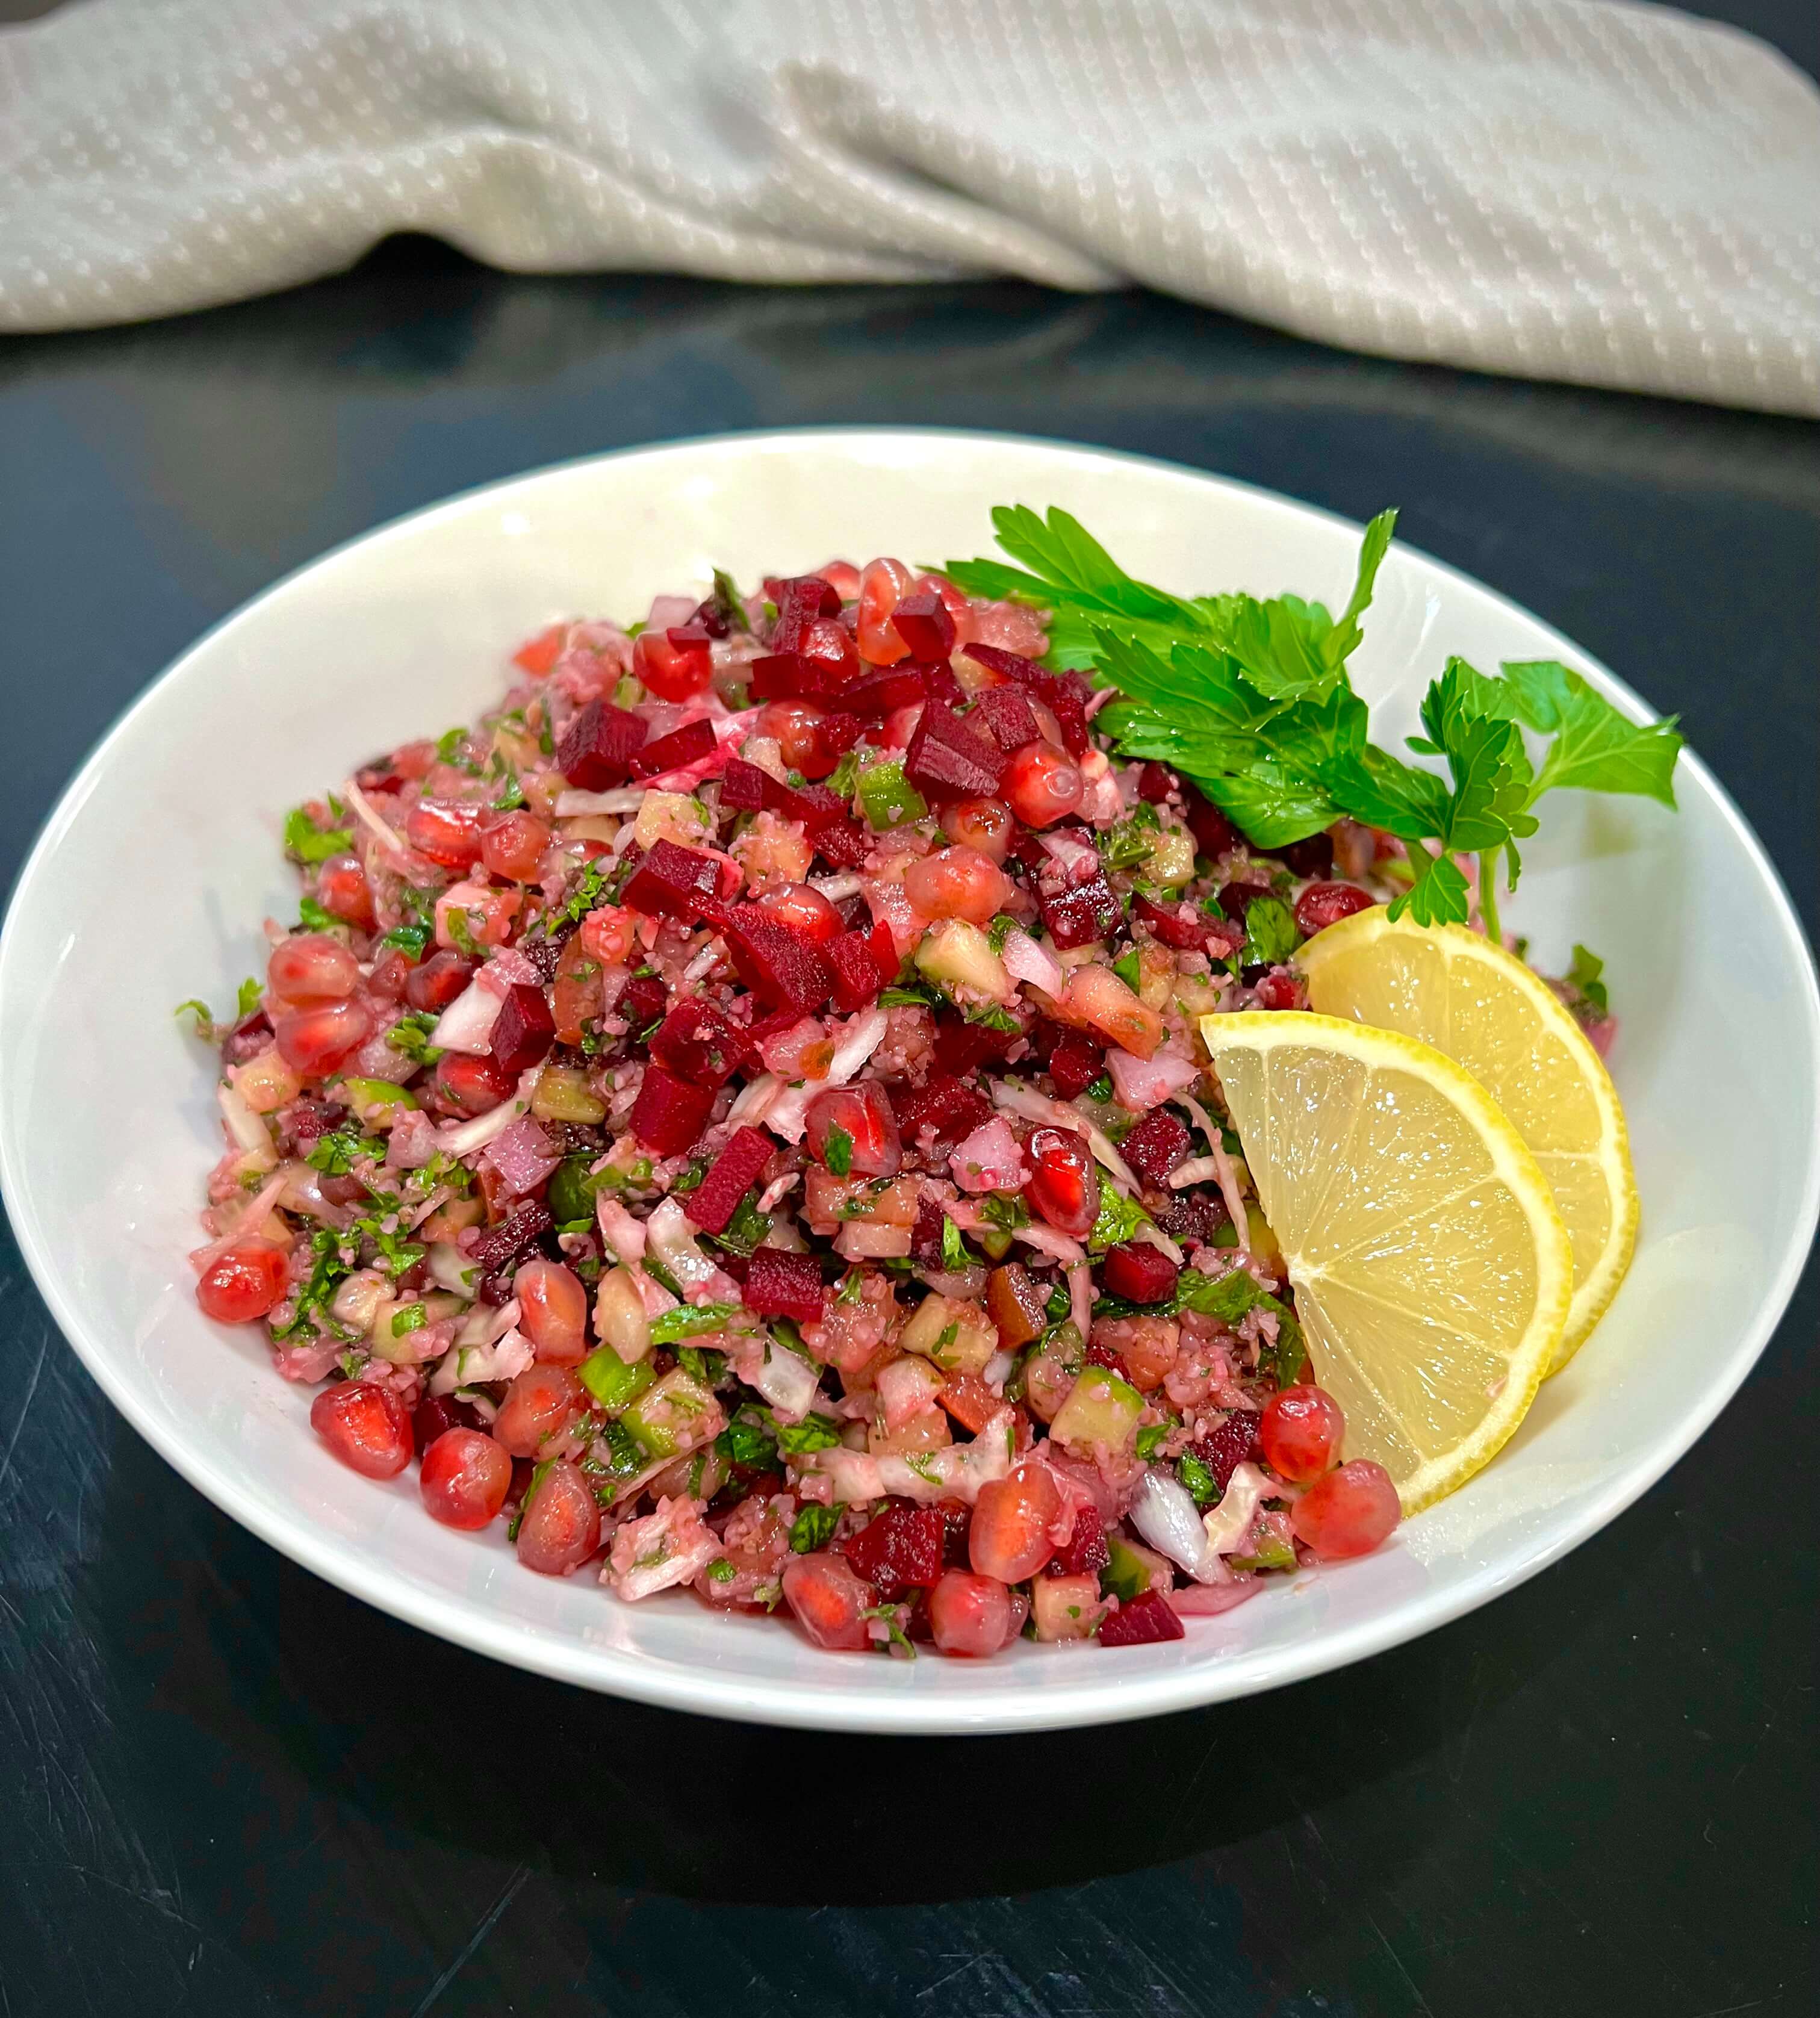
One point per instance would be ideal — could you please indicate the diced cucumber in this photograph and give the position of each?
(613, 1384)
(1101, 1408)
(671, 1417)
(1132, 1569)
(956, 952)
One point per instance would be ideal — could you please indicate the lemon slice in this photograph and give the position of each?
(1454, 990)
(1431, 1271)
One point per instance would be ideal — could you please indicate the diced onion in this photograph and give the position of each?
(1164, 1513)
(1228, 1525)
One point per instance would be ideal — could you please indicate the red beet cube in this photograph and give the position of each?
(1179, 925)
(520, 1230)
(673, 882)
(742, 785)
(948, 758)
(1085, 1552)
(1074, 1065)
(779, 1285)
(779, 966)
(800, 599)
(1156, 1145)
(1140, 1620)
(1078, 917)
(960, 1045)
(786, 676)
(687, 745)
(922, 621)
(1234, 1443)
(1103, 1356)
(1138, 1272)
(900, 1550)
(669, 1113)
(641, 1002)
(524, 1030)
(1155, 783)
(1065, 695)
(843, 843)
(1007, 712)
(926, 1234)
(942, 1103)
(698, 1044)
(597, 748)
(857, 980)
(1213, 834)
(732, 1173)
(880, 694)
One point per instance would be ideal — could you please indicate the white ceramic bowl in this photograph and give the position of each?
(151, 880)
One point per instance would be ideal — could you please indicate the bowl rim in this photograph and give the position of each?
(1040, 1703)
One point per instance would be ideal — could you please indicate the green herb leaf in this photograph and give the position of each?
(409, 1035)
(409, 1318)
(814, 1433)
(746, 1443)
(991, 1017)
(1150, 1438)
(690, 1321)
(1118, 1219)
(1127, 968)
(1584, 975)
(1271, 936)
(412, 938)
(313, 917)
(837, 1152)
(909, 998)
(308, 842)
(955, 1255)
(1203, 1487)
(814, 1527)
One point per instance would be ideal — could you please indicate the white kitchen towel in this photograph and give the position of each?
(1612, 195)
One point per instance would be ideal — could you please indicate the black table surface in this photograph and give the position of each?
(225, 1788)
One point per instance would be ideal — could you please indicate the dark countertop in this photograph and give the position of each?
(226, 1788)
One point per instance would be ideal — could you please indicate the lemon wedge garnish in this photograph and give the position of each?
(1431, 1269)
(1454, 990)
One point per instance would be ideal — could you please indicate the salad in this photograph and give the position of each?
(736, 1117)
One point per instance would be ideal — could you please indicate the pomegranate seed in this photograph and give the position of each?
(970, 1615)
(365, 1425)
(242, 1282)
(883, 583)
(983, 825)
(1324, 904)
(829, 1600)
(312, 967)
(439, 980)
(471, 1085)
(552, 1311)
(1009, 1539)
(1064, 1186)
(464, 1478)
(448, 833)
(675, 664)
(1281, 989)
(795, 726)
(874, 1146)
(1301, 1432)
(341, 888)
(1042, 784)
(559, 1529)
(316, 1042)
(513, 846)
(1140, 1621)
(957, 883)
(805, 910)
(843, 578)
(827, 655)
(539, 1406)
(1349, 1511)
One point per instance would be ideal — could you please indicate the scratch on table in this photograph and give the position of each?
(1397, 1961)
(44, 1347)
(519, 1879)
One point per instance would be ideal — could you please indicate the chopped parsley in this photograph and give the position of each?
(311, 915)
(1203, 1487)
(410, 1036)
(1584, 975)
(686, 1321)
(814, 1528)
(308, 842)
(837, 1152)
(814, 1433)
(1271, 936)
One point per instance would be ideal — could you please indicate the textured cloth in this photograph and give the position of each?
(1613, 195)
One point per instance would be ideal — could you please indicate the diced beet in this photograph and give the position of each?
(1007, 712)
(687, 745)
(1178, 925)
(843, 843)
(1192, 1218)
(1213, 834)
(1007, 665)
(1237, 899)
(781, 1285)
(779, 966)
(1313, 857)
(857, 980)
(1070, 712)
(1155, 783)
(732, 1173)
(1077, 917)
(1065, 695)
(1074, 1065)
(524, 1030)
(1234, 1443)
(439, 980)
(641, 1002)
(882, 693)
(923, 622)
(800, 599)
(926, 1235)
(1159, 1143)
(698, 1044)
(940, 685)
(1103, 1357)
(520, 1230)
(1140, 1620)
(598, 747)
(1138, 1272)
(673, 882)
(943, 1104)
(786, 676)
(899, 1550)
(818, 807)
(669, 1113)
(834, 736)
(948, 758)
(742, 786)
(1085, 1554)
(960, 1045)
(544, 952)
(437, 1413)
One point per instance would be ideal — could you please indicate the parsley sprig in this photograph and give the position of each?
(1250, 699)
